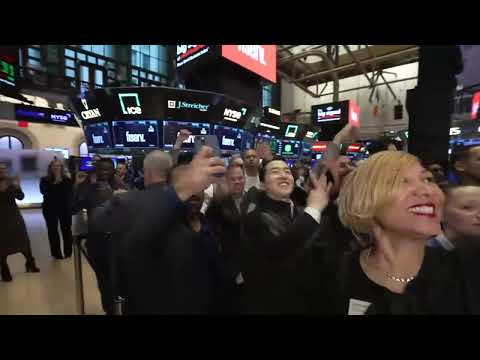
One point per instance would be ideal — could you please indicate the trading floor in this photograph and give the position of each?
(52, 291)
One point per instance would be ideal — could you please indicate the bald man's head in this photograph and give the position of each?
(156, 167)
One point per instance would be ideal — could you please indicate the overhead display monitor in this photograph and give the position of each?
(229, 138)
(259, 59)
(8, 66)
(88, 109)
(44, 115)
(270, 128)
(248, 140)
(291, 131)
(171, 129)
(98, 135)
(330, 113)
(306, 148)
(190, 53)
(191, 105)
(290, 148)
(136, 134)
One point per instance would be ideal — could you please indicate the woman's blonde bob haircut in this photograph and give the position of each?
(369, 189)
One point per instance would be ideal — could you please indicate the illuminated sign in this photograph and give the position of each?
(311, 135)
(454, 131)
(129, 108)
(354, 114)
(178, 105)
(319, 147)
(270, 126)
(89, 113)
(274, 111)
(260, 59)
(475, 105)
(329, 114)
(187, 53)
(7, 73)
(232, 115)
(291, 131)
(334, 112)
(44, 115)
(354, 148)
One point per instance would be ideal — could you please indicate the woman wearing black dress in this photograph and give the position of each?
(57, 190)
(393, 206)
(13, 233)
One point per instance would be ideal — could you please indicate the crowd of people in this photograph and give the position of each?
(386, 235)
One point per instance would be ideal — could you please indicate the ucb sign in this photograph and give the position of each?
(89, 113)
(130, 104)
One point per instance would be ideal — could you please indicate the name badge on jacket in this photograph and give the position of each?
(358, 307)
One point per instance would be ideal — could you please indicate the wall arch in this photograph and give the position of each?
(29, 139)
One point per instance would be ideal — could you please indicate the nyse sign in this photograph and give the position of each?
(456, 131)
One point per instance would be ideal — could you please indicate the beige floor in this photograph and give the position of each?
(50, 292)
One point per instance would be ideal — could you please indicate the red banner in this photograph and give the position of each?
(260, 59)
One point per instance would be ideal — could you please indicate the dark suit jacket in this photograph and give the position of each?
(164, 267)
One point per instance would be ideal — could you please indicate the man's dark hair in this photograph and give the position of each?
(105, 161)
(263, 167)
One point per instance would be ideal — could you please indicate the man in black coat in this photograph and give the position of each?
(275, 235)
(89, 195)
(225, 215)
(166, 256)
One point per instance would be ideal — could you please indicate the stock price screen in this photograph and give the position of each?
(135, 134)
(98, 135)
(289, 148)
(229, 139)
(171, 129)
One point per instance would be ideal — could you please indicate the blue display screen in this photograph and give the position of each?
(172, 128)
(98, 135)
(136, 134)
(229, 139)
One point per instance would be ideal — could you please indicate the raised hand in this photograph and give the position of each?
(349, 133)
(183, 135)
(205, 169)
(319, 196)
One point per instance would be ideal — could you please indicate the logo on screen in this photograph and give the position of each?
(291, 131)
(288, 148)
(454, 131)
(130, 104)
(232, 115)
(227, 142)
(172, 104)
(329, 114)
(97, 139)
(132, 138)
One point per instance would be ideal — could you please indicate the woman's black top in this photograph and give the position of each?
(57, 196)
(337, 285)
